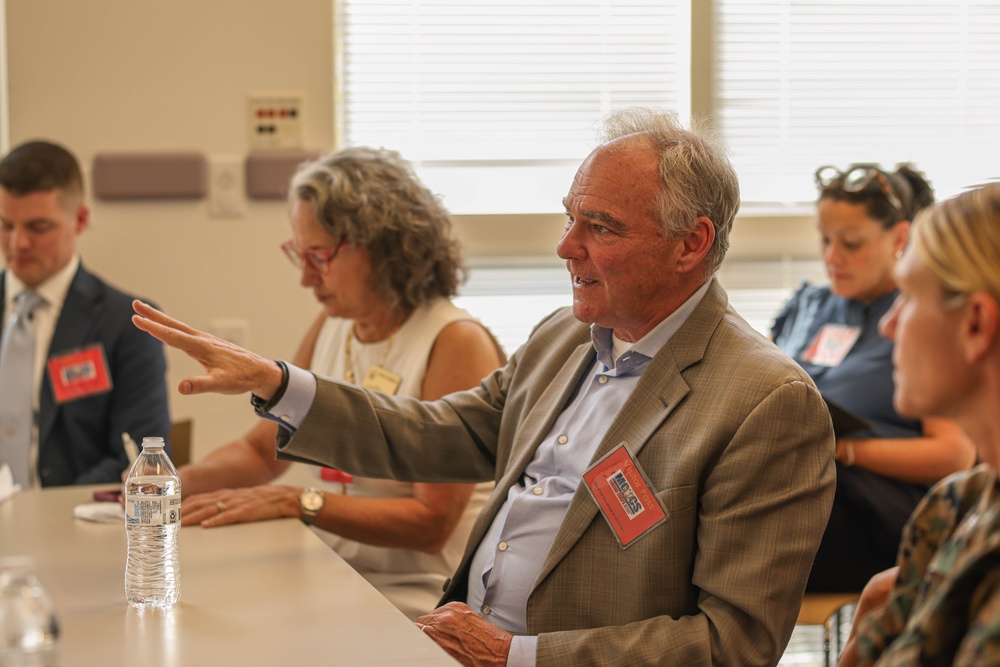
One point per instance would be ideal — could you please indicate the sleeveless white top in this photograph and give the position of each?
(411, 580)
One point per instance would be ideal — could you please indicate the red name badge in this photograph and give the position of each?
(334, 475)
(622, 492)
(79, 374)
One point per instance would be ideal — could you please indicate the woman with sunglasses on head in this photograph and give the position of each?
(375, 247)
(885, 466)
(941, 605)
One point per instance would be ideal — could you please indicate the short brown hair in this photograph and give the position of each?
(37, 166)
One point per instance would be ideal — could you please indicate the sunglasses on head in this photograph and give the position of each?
(858, 179)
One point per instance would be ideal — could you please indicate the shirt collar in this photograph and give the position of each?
(652, 342)
(52, 290)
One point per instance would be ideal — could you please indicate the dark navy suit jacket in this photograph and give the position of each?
(80, 441)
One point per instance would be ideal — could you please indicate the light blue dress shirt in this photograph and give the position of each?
(510, 556)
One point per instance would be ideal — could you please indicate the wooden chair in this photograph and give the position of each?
(828, 610)
(180, 442)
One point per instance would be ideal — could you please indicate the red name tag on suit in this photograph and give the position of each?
(623, 495)
(79, 374)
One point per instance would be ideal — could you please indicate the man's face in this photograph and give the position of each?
(38, 232)
(622, 268)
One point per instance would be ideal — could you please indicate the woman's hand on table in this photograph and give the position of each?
(227, 506)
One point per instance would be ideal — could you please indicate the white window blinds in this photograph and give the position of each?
(800, 84)
(497, 103)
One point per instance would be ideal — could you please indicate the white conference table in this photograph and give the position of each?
(268, 593)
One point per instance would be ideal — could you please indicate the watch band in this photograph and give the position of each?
(262, 407)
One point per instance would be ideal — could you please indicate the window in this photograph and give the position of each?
(497, 103)
(511, 299)
(504, 97)
(804, 84)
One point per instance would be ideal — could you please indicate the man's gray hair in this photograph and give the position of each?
(696, 176)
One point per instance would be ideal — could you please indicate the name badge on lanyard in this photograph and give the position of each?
(622, 492)
(832, 343)
(381, 380)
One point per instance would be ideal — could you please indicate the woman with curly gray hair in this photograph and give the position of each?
(375, 247)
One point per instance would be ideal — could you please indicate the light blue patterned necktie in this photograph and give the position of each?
(17, 371)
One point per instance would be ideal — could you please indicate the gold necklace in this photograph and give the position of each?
(349, 362)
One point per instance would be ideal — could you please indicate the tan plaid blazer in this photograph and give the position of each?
(737, 443)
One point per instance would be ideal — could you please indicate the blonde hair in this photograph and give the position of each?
(959, 241)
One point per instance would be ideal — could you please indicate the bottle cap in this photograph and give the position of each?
(152, 441)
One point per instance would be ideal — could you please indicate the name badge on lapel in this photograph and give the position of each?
(79, 374)
(622, 492)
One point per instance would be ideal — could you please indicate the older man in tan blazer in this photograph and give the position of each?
(664, 474)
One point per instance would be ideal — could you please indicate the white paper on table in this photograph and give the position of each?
(102, 512)
(7, 486)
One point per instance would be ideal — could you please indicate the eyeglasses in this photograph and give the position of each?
(317, 258)
(858, 179)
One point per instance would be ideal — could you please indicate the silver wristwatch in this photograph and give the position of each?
(311, 500)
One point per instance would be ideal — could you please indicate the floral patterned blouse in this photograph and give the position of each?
(944, 608)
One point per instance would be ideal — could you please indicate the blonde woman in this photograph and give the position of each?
(941, 605)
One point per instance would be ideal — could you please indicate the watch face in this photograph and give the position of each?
(312, 500)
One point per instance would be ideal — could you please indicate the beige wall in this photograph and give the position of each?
(103, 75)
(137, 75)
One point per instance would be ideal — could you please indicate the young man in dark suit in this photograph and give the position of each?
(92, 376)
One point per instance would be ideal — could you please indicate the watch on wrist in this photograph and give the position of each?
(311, 500)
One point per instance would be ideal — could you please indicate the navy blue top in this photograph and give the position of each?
(862, 382)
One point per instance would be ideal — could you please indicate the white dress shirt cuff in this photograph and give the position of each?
(291, 410)
(523, 649)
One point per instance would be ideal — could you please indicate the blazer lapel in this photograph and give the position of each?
(660, 390)
(539, 419)
(78, 313)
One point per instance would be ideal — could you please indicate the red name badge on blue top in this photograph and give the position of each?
(623, 494)
(79, 374)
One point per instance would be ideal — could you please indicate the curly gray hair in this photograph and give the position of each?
(372, 198)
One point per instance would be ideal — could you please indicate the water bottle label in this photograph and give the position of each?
(155, 511)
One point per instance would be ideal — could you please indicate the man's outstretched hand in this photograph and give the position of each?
(229, 369)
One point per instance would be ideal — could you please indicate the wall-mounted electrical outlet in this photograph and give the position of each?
(275, 120)
(226, 198)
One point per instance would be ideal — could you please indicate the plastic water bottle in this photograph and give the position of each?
(29, 628)
(152, 520)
